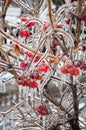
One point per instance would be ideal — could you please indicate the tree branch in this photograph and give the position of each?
(78, 24)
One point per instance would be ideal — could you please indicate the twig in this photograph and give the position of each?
(78, 24)
(4, 34)
(11, 109)
(50, 14)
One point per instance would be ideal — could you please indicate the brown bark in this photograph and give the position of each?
(75, 121)
(78, 24)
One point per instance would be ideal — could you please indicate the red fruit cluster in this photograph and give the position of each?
(33, 84)
(64, 69)
(70, 69)
(24, 33)
(36, 76)
(28, 54)
(30, 24)
(79, 64)
(42, 110)
(73, 71)
(24, 81)
(43, 67)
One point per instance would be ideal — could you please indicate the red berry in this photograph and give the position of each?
(76, 72)
(54, 45)
(73, 1)
(23, 65)
(40, 69)
(10, 1)
(29, 54)
(43, 68)
(16, 47)
(20, 79)
(28, 34)
(64, 69)
(42, 110)
(23, 19)
(45, 26)
(59, 26)
(73, 71)
(37, 58)
(52, 61)
(68, 21)
(19, 82)
(77, 63)
(33, 84)
(84, 47)
(24, 33)
(47, 67)
(84, 17)
(83, 67)
(30, 24)
(38, 77)
(25, 81)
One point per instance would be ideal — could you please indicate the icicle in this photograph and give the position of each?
(3, 103)
(35, 92)
(14, 97)
(12, 122)
(31, 95)
(4, 87)
(43, 120)
(75, 78)
(26, 95)
(8, 101)
(20, 92)
(63, 78)
(4, 128)
(1, 87)
(24, 92)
